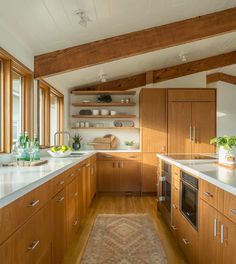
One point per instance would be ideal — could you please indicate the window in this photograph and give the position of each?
(54, 117)
(41, 116)
(17, 103)
(1, 106)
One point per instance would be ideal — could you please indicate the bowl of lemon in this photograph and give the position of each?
(60, 151)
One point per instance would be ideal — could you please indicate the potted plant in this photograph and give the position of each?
(225, 146)
(130, 144)
(77, 142)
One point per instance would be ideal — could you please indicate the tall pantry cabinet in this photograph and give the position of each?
(153, 134)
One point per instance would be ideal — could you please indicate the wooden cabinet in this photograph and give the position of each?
(230, 206)
(149, 173)
(93, 178)
(32, 242)
(153, 120)
(118, 175)
(72, 210)
(191, 125)
(59, 226)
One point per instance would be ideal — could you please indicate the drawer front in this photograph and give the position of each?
(230, 206)
(176, 173)
(209, 193)
(31, 242)
(119, 156)
(58, 183)
(71, 174)
(16, 214)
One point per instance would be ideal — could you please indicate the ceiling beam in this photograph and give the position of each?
(135, 43)
(168, 73)
(220, 76)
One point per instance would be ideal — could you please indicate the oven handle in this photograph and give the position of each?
(161, 197)
(189, 185)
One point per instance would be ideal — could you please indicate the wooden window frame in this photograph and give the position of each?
(48, 89)
(11, 64)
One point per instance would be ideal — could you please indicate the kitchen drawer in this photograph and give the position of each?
(230, 206)
(58, 183)
(209, 193)
(119, 156)
(70, 174)
(18, 212)
(32, 243)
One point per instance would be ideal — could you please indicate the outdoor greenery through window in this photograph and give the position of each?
(17, 103)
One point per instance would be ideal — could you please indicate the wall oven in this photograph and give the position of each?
(164, 191)
(189, 198)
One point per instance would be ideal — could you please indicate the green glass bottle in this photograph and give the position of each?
(21, 144)
(26, 146)
(37, 147)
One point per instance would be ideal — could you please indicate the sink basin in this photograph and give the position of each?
(76, 154)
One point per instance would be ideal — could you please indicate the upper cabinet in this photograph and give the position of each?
(153, 121)
(191, 120)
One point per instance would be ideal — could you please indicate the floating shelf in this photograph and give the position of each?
(104, 116)
(104, 128)
(94, 104)
(103, 92)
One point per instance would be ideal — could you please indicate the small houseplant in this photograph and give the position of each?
(130, 144)
(225, 145)
(77, 142)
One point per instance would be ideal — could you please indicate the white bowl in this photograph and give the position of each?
(60, 154)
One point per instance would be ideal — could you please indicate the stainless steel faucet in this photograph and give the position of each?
(62, 133)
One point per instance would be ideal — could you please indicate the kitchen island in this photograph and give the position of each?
(197, 198)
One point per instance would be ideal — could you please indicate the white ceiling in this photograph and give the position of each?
(145, 62)
(47, 25)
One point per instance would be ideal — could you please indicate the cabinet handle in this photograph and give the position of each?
(87, 165)
(174, 206)
(33, 203)
(215, 228)
(132, 157)
(72, 175)
(194, 133)
(61, 182)
(121, 165)
(60, 199)
(186, 242)
(75, 222)
(190, 133)
(221, 233)
(33, 245)
(76, 194)
(107, 156)
(233, 211)
(78, 170)
(173, 227)
(208, 194)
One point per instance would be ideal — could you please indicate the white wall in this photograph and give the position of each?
(16, 48)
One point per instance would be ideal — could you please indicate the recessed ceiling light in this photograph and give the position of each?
(183, 56)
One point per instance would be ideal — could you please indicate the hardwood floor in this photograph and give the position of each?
(123, 205)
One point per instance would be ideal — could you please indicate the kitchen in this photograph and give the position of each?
(117, 131)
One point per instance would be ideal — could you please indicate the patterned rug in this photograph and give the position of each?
(123, 239)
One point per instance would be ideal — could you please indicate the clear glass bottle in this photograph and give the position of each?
(26, 147)
(37, 148)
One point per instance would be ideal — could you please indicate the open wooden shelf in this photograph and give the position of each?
(95, 104)
(103, 92)
(104, 116)
(104, 128)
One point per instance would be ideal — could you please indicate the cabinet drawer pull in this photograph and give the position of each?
(61, 182)
(174, 206)
(76, 194)
(87, 165)
(75, 223)
(215, 228)
(233, 211)
(107, 156)
(33, 203)
(33, 245)
(60, 199)
(173, 227)
(221, 233)
(78, 170)
(132, 157)
(72, 175)
(208, 194)
(186, 242)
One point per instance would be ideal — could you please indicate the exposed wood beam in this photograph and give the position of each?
(223, 77)
(168, 73)
(135, 43)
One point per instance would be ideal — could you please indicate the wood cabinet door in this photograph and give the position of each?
(72, 210)
(203, 126)
(88, 185)
(179, 127)
(208, 233)
(226, 242)
(153, 120)
(108, 176)
(84, 190)
(59, 226)
(149, 173)
(130, 176)
(93, 178)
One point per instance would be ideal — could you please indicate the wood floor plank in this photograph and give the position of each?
(124, 205)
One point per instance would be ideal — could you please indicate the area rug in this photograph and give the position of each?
(123, 239)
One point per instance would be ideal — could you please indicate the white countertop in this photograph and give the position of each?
(221, 177)
(17, 181)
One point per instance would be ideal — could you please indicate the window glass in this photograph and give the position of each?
(41, 116)
(1, 106)
(54, 117)
(17, 84)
